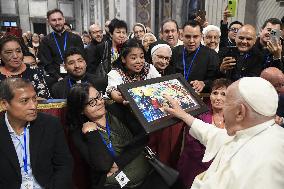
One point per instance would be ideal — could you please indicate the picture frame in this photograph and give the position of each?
(146, 100)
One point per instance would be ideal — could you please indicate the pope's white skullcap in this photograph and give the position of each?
(211, 28)
(259, 94)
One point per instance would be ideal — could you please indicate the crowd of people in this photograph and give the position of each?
(237, 144)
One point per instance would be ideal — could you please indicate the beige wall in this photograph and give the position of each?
(268, 9)
(215, 8)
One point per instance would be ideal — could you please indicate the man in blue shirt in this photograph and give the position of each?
(34, 153)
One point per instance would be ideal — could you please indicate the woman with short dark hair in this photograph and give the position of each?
(110, 146)
(12, 65)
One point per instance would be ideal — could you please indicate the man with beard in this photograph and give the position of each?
(75, 66)
(96, 34)
(97, 37)
(54, 45)
(108, 51)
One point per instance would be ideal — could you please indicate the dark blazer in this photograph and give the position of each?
(51, 161)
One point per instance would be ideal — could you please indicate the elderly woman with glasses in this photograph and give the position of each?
(160, 54)
(211, 37)
(111, 141)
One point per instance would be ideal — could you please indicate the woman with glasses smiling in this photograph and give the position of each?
(111, 144)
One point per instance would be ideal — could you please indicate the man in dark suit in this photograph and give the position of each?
(34, 153)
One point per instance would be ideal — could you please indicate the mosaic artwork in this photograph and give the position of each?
(150, 100)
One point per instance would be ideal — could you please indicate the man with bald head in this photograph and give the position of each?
(245, 60)
(96, 34)
(249, 152)
(276, 78)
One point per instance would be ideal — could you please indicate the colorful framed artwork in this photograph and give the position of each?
(147, 101)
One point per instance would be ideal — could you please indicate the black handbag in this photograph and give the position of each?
(102, 69)
(168, 174)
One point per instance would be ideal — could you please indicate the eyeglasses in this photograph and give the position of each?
(163, 57)
(234, 30)
(94, 101)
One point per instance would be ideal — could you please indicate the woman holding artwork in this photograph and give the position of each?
(190, 163)
(111, 145)
(129, 67)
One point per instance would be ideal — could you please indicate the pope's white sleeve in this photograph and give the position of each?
(204, 132)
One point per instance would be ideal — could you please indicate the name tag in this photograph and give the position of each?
(122, 179)
(62, 69)
(27, 184)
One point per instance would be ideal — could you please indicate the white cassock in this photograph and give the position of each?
(252, 159)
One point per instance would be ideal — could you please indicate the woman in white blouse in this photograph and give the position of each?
(129, 67)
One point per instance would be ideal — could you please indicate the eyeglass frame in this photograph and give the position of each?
(235, 30)
(95, 99)
(163, 57)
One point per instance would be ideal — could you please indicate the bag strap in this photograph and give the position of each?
(149, 153)
(105, 54)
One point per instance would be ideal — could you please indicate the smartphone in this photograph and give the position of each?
(232, 7)
(275, 36)
(232, 52)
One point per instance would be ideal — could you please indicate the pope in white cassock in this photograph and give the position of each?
(249, 154)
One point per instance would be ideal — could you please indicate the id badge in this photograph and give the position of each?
(62, 69)
(122, 179)
(27, 184)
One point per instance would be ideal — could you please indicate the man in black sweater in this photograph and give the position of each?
(245, 60)
(197, 63)
(54, 45)
(75, 66)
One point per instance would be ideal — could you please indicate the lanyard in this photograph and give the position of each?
(58, 48)
(24, 150)
(70, 84)
(25, 158)
(109, 145)
(186, 73)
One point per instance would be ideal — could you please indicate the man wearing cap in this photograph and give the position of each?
(250, 152)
